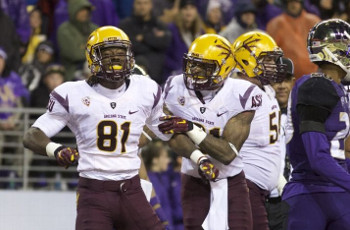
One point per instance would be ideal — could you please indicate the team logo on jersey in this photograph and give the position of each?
(181, 100)
(113, 105)
(256, 100)
(202, 109)
(86, 101)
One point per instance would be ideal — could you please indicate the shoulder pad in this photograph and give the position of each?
(318, 91)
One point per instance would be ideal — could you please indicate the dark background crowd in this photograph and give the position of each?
(42, 45)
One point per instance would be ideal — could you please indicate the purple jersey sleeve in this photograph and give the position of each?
(317, 149)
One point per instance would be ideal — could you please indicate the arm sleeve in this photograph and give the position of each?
(316, 99)
(317, 149)
(55, 118)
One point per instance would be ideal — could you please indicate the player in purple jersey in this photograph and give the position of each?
(318, 193)
(107, 117)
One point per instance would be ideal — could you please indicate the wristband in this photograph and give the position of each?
(233, 148)
(146, 135)
(197, 134)
(51, 149)
(196, 156)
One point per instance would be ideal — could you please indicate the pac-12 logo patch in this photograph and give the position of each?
(113, 105)
(86, 101)
(181, 100)
(202, 109)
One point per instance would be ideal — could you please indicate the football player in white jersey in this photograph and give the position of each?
(215, 112)
(107, 114)
(258, 59)
(276, 209)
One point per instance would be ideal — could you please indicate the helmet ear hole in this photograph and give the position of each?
(245, 62)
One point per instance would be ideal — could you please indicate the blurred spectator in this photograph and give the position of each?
(32, 73)
(17, 11)
(102, 13)
(175, 191)
(266, 11)
(330, 8)
(166, 10)
(213, 22)
(242, 22)
(156, 159)
(123, 8)
(13, 94)
(47, 8)
(53, 77)
(73, 34)
(187, 26)
(227, 8)
(9, 41)
(150, 37)
(36, 35)
(290, 31)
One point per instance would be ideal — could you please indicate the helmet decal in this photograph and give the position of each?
(257, 55)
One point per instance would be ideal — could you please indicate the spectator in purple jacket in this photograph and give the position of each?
(13, 94)
(17, 11)
(156, 159)
(188, 26)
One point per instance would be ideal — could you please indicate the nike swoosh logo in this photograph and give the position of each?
(132, 112)
(220, 114)
(243, 99)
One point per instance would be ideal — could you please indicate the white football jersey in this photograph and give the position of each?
(233, 98)
(107, 128)
(261, 151)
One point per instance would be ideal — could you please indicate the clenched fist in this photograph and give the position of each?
(174, 124)
(66, 156)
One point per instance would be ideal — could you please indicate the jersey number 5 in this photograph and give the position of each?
(274, 126)
(107, 132)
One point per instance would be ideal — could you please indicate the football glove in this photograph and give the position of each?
(66, 156)
(173, 124)
(207, 170)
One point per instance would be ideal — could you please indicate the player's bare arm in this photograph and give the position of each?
(347, 148)
(146, 136)
(236, 131)
(182, 145)
(36, 140)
